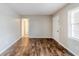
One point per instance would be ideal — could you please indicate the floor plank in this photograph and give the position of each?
(36, 47)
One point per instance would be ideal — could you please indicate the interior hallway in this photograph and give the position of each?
(36, 47)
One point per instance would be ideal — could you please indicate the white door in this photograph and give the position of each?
(56, 27)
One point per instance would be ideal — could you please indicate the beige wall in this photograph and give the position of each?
(40, 26)
(9, 27)
(70, 44)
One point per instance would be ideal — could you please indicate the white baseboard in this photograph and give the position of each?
(40, 36)
(66, 48)
(9, 45)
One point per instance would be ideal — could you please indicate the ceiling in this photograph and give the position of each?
(36, 8)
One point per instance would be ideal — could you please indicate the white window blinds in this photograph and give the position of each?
(75, 25)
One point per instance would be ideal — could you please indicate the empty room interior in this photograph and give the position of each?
(39, 29)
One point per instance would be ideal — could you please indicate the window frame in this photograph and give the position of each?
(70, 18)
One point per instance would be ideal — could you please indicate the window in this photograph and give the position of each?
(74, 24)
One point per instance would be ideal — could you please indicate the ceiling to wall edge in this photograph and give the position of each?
(23, 16)
(48, 15)
(12, 9)
(60, 9)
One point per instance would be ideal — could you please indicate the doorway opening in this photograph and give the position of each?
(25, 27)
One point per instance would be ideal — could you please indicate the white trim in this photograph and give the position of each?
(70, 17)
(66, 48)
(9, 45)
(40, 36)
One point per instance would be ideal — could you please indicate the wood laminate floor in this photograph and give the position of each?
(36, 47)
